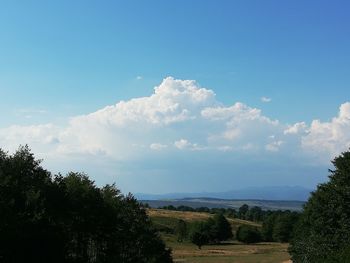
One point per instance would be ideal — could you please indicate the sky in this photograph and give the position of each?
(178, 96)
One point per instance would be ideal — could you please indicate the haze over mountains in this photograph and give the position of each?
(295, 193)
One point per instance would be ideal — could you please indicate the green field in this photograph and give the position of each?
(233, 251)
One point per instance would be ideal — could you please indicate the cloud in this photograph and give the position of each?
(265, 99)
(181, 118)
(274, 146)
(185, 144)
(139, 77)
(329, 138)
(158, 146)
(178, 108)
(297, 128)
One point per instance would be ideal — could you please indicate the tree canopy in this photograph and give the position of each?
(323, 231)
(46, 218)
(248, 234)
(213, 230)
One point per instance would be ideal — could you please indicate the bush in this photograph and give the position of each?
(248, 234)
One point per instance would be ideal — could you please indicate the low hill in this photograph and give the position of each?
(166, 220)
(257, 193)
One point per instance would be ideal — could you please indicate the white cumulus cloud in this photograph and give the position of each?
(330, 137)
(184, 116)
(297, 128)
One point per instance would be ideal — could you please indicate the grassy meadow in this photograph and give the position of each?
(231, 251)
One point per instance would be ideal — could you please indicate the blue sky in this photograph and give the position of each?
(60, 60)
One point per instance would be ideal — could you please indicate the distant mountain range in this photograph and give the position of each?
(295, 193)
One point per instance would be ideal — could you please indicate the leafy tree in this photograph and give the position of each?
(268, 227)
(284, 225)
(222, 228)
(324, 226)
(255, 214)
(47, 218)
(248, 234)
(243, 211)
(181, 230)
(199, 234)
(340, 256)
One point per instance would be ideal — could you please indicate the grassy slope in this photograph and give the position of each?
(228, 252)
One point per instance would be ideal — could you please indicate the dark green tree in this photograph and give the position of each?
(222, 228)
(243, 211)
(255, 214)
(284, 225)
(47, 218)
(324, 226)
(248, 234)
(268, 227)
(181, 230)
(199, 234)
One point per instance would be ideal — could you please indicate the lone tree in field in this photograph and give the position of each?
(56, 219)
(323, 231)
(222, 228)
(199, 234)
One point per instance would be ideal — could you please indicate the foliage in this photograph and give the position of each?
(222, 228)
(279, 225)
(248, 234)
(255, 214)
(324, 227)
(181, 230)
(199, 234)
(243, 211)
(339, 256)
(213, 230)
(47, 218)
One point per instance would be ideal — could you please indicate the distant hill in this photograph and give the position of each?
(226, 203)
(295, 193)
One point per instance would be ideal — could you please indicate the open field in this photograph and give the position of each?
(230, 252)
(223, 253)
(193, 216)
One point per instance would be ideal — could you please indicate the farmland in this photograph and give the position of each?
(230, 251)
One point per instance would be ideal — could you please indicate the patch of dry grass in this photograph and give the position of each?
(184, 215)
(231, 252)
(194, 216)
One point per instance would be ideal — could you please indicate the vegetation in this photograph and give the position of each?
(181, 230)
(221, 252)
(47, 218)
(248, 234)
(278, 226)
(213, 230)
(323, 231)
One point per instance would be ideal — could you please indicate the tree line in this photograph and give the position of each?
(277, 225)
(55, 218)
